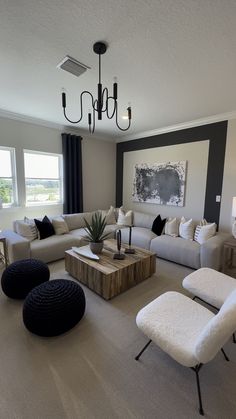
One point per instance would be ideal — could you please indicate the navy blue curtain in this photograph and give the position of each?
(72, 165)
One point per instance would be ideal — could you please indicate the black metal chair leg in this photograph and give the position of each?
(223, 352)
(234, 339)
(145, 347)
(196, 369)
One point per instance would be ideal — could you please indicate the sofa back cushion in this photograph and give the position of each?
(75, 221)
(143, 220)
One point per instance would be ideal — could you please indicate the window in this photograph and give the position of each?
(43, 178)
(8, 192)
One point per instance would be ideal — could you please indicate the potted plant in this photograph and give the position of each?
(95, 232)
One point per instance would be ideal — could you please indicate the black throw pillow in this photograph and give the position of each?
(44, 227)
(158, 225)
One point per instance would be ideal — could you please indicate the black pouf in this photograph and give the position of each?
(19, 278)
(54, 307)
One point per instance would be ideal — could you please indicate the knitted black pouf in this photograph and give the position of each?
(19, 278)
(54, 307)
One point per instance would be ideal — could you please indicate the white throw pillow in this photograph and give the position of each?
(205, 233)
(60, 225)
(203, 222)
(172, 227)
(124, 219)
(110, 215)
(186, 229)
(27, 228)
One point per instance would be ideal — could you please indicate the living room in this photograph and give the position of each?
(174, 62)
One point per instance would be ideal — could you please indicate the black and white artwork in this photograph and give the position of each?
(160, 183)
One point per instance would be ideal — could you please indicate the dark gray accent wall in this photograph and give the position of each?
(215, 133)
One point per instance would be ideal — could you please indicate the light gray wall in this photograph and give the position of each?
(229, 180)
(196, 155)
(99, 174)
(98, 167)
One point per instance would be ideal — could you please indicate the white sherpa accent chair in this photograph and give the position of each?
(188, 332)
(210, 286)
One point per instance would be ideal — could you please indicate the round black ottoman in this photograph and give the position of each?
(20, 277)
(54, 307)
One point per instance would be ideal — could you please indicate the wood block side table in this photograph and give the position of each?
(229, 251)
(4, 253)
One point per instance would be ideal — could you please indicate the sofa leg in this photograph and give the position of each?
(145, 347)
(196, 370)
(223, 352)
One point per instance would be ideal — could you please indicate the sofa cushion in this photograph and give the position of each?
(141, 237)
(143, 220)
(54, 247)
(176, 249)
(111, 229)
(79, 232)
(75, 221)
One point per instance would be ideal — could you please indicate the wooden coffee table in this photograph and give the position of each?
(109, 277)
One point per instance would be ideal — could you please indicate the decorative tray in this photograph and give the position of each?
(85, 251)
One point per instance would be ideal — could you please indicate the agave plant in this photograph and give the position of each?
(95, 230)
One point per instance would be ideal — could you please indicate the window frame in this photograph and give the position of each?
(60, 179)
(12, 151)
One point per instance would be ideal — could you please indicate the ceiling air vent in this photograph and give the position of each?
(72, 66)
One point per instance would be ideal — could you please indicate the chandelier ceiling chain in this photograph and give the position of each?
(103, 103)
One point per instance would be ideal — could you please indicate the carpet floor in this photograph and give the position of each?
(90, 372)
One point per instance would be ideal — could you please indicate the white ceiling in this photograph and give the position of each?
(175, 59)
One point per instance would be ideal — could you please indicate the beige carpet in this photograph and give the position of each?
(90, 372)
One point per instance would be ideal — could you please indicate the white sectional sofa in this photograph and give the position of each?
(176, 249)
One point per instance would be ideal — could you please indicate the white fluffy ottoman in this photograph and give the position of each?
(209, 285)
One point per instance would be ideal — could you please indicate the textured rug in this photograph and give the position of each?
(90, 372)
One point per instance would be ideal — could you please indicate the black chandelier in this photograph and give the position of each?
(103, 102)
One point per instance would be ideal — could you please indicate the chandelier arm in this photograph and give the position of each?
(104, 92)
(69, 120)
(96, 108)
(117, 124)
(114, 109)
(81, 108)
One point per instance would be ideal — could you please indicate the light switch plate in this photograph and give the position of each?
(218, 198)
